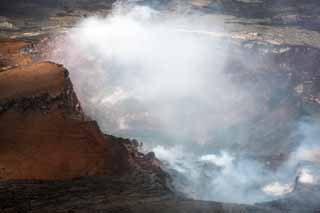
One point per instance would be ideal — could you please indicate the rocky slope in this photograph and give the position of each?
(43, 131)
(54, 159)
(45, 136)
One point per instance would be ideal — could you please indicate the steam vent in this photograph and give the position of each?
(160, 106)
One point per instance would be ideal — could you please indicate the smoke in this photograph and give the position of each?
(218, 177)
(140, 71)
(225, 176)
(162, 77)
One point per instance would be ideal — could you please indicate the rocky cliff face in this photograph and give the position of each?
(71, 166)
(44, 133)
(54, 159)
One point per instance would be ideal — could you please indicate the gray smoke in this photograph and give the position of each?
(161, 77)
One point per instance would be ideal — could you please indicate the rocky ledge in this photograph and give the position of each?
(55, 159)
(46, 135)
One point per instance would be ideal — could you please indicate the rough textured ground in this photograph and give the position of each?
(138, 192)
(13, 53)
(43, 131)
(53, 159)
(53, 139)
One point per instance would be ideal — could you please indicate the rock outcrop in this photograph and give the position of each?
(44, 133)
(55, 159)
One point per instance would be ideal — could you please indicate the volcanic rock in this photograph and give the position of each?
(14, 53)
(51, 152)
(44, 133)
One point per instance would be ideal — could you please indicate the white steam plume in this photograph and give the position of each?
(161, 78)
(144, 71)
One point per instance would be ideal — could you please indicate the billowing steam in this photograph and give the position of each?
(161, 78)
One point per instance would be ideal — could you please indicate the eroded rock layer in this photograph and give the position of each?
(44, 133)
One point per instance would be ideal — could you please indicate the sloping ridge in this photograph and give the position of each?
(44, 133)
(54, 159)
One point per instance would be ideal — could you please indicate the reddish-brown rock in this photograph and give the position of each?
(43, 132)
(14, 53)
